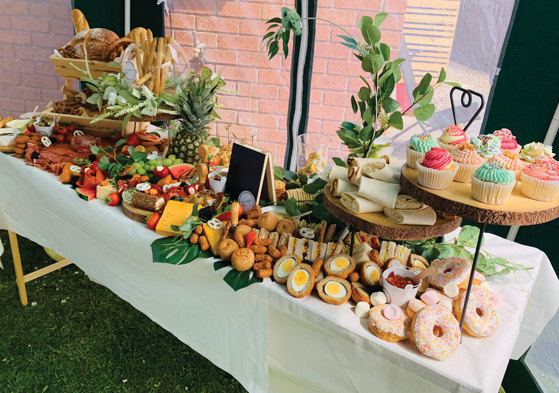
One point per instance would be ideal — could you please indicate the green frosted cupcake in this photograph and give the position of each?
(492, 183)
(419, 145)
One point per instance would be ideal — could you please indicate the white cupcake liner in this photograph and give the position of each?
(412, 156)
(437, 179)
(464, 172)
(540, 190)
(491, 193)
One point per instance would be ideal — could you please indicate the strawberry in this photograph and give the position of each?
(152, 220)
(214, 161)
(113, 199)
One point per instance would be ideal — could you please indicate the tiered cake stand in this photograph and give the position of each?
(518, 210)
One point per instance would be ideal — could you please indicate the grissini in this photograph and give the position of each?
(378, 191)
(357, 204)
(424, 216)
(337, 172)
(340, 186)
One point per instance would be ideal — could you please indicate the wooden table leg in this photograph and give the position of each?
(17, 267)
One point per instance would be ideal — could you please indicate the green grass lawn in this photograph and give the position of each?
(76, 336)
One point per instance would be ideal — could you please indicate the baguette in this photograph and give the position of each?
(80, 23)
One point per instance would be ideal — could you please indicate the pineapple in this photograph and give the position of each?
(196, 107)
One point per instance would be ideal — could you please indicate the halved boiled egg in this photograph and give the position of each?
(334, 290)
(340, 265)
(300, 281)
(284, 266)
(370, 273)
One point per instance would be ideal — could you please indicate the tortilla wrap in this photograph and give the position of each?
(340, 186)
(356, 204)
(378, 191)
(425, 216)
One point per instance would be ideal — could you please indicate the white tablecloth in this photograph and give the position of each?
(266, 339)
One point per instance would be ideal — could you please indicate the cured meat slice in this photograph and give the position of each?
(81, 143)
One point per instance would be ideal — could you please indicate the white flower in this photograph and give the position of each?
(124, 380)
(33, 304)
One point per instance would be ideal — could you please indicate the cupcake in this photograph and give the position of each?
(487, 145)
(540, 181)
(535, 151)
(508, 141)
(419, 145)
(510, 161)
(436, 170)
(467, 160)
(452, 137)
(492, 183)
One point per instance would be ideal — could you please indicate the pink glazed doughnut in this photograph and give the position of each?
(481, 317)
(451, 269)
(390, 330)
(436, 332)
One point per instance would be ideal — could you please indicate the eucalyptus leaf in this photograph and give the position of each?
(389, 104)
(339, 162)
(388, 86)
(371, 35)
(364, 93)
(290, 175)
(104, 162)
(349, 40)
(382, 78)
(354, 106)
(442, 75)
(349, 125)
(279, 172)
(291, 208)
(395, 120)
(384, 51)
(379, 18)
(427, 98)
(315, 186)
(424, 112)
(366, 133)
(468, 236)
(120, 142)
(377, 62)
(422, 87)
(455, 84)
(95, 149)
(368, 115)
(367, 64)
(364, 22)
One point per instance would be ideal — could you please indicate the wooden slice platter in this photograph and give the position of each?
(518, 210)
(134, 213)
(380, 225)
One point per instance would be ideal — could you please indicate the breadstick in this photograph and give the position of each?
(162, 81)
(150, 35)
(167, 54)
(158, 61)
(138, 58)
(145, 51)
(144, 79)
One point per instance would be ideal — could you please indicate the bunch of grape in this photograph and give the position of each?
(150, 165)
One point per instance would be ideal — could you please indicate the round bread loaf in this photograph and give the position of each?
(98, 40)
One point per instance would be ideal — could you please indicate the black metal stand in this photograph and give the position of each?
(466, 101)
(471, 280)
(351, 241)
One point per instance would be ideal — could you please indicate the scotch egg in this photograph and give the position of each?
(283, 267)
(370, 273)
(340, 265)
(334, 290)
(300, 281)
(359, 293)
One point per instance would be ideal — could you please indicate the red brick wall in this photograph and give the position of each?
(232, 31)
(29, 31)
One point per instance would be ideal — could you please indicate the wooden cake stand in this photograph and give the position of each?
(380, 225)
(518, 210)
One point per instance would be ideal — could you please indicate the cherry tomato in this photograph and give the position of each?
(72, 127)
(56, 128)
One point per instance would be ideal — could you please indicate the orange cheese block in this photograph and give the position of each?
(174, 214)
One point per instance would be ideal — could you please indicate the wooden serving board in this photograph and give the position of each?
(380, 225)
(97, 68)
(103, 128)
(134, 213)
(518, 210)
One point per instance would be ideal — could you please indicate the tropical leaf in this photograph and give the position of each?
(173, 251)
(315, 186)
(239, 280)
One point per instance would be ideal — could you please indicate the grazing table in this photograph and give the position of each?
(269, 341)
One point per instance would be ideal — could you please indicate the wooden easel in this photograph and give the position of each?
(21, 279)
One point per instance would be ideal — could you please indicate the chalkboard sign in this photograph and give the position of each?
(250, 169)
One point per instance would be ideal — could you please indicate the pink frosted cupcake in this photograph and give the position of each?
(508, 141)
(540, 181)
(452, 137)
(436, 170)
(467, 160)
(510, 161)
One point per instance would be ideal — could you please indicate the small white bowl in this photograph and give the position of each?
(395, 295)
(218, 186)
(44, 130)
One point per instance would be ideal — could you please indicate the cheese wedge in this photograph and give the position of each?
(214, 237)
(174, 214)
